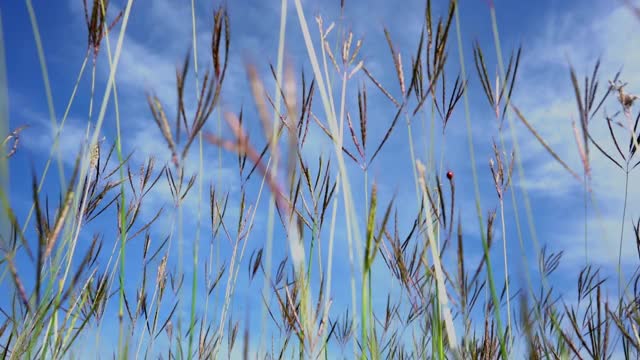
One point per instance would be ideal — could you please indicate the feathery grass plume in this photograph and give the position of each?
(348, 58)
(445, 108)
(209, 93)
(443, 104)
(435, 58)
(97, 24)
(586, 112)
(501, 180)
(587, 108)
(501, 176)
(497, 95)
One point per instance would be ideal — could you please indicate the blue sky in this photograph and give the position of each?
(159, 36)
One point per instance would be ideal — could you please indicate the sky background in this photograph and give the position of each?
(552, 34)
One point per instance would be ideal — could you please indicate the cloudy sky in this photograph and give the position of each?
(553, 35)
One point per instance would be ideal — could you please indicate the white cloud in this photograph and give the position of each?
(41, 135)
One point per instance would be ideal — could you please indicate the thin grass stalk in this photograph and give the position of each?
(413, 160)
(77, 217)
(4, 129)
(585, 178)
(233, 272)
(513, 136)
(502, 184)
(440, 172)
(506, 268)
(219, 168)
(68, 340)
(47, 85)
(56, 138)
(502, 219)
(336, 131)
(156, 299)
(65, 343)
(634, 141)
(366, 188)
(232, 279)
(494, 295)
(216, 206)
(525, 259)
(169, 245)
(123, 220)
(54, 274)
(441, 294)
(431, 149)
(327, 100)
(122, 214)
(365, 296)
(180, 271)
(367, 334)
(111, 282)
(437, 340)
(248, 233)
(624, 212)
(274, 137)
(196, 245)
(520, 168)
(92, 91)
(325, 317)
(518, 161)
(52, 328)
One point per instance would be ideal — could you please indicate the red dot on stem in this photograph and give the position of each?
(449, 174)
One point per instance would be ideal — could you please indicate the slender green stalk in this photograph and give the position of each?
(624, 213)
(329, 108)
(94, 141)
(113, 64)
(585, 199)
(196, 245)
(472, 161)
(521, 174)
(506, 268)
(325, 317)
(123, 223)
(47, 86)
(430, 241)
(4, 129)
(58, 133)
(270, 217)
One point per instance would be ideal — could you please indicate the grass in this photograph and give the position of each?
(447, 304)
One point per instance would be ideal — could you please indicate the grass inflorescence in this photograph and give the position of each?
(416, 281)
